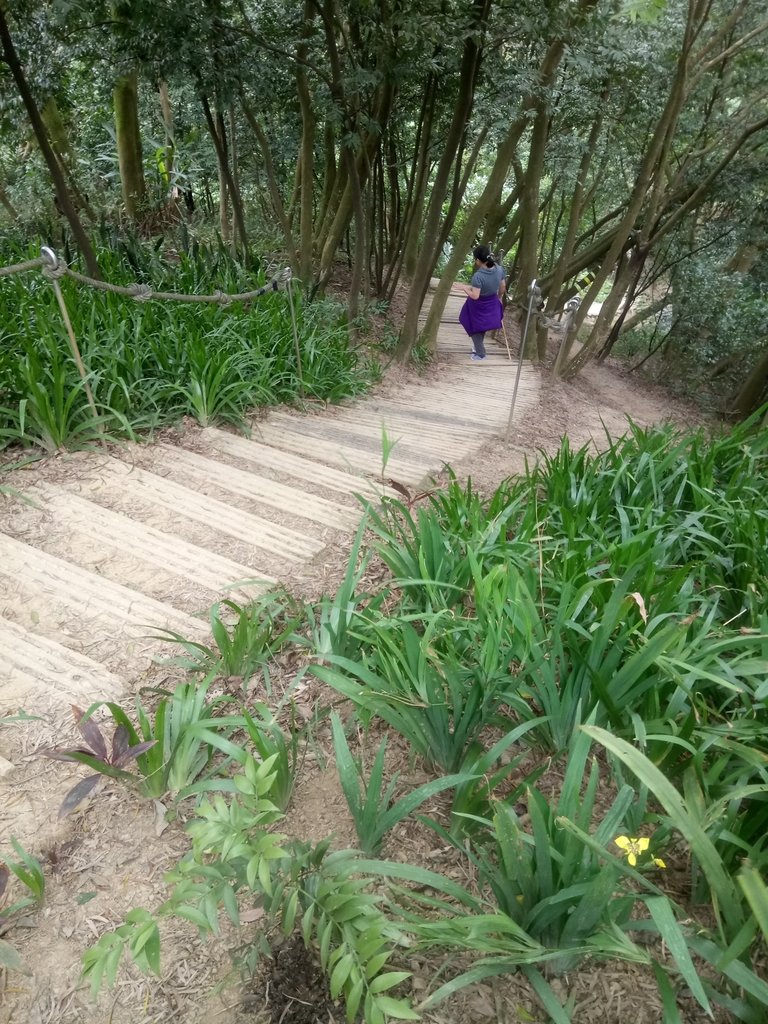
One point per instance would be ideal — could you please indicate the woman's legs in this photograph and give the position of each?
(478, 343)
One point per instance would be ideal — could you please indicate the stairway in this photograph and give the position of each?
(108, 548)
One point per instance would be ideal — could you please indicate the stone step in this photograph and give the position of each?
(252, 450)
(90, 595)
(290, 500)
(217, 515)
(367, 437)
(163, 551)
(408, 436)
(36, 671)
(346, 455)
(405, 425)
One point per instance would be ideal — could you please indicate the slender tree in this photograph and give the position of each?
(11, 58)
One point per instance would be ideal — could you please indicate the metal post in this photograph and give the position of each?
(533, 293)
(287, 275)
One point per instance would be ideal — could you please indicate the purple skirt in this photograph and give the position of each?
(480, 315)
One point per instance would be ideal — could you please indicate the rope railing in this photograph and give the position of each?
(19, 268)
(54, 268)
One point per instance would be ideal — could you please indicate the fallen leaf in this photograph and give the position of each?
(161, 824)
(251, 915)
(638, 599)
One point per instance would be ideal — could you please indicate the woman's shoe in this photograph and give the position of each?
(476, 358)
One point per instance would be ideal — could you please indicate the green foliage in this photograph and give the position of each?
(372, 805)
(21, 716)
(236, 856)
(334, 623)
(272, 744)
(599, 588)
(169, 748)
(139, 935)
(608, 582)
(727, 949)
(559, 892)
(439, 689)
(152, 363)
(28, 870)
(246, 637)
(756, 894)
(54, 412)
(388, 445)
(713, 343)
(473, 802)
(611, 599)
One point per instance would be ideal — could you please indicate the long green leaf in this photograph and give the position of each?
(664, 919)
(756, 892)
(723, 889)
(547, 997)
(11, 959)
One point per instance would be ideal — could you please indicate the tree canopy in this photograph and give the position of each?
(621, 140)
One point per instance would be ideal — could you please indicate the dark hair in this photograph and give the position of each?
(484, 254)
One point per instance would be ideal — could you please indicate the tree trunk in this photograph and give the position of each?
(358, 263)
(6, 203)
(54, 169)
(222, 167)
(470, 63)
(637, 262)
(574, 218)
(62, 147)
(57, 131)
(650, 176)
(170, 134)
(235, 171)
(751, 394)
(415, 198)
(220, 145)
(528, 202)
(329, 171)
(129, 154)
(332, 206)
(345, 207)
(461, 180)
(489, 197)
(745, 257)
(644, 314)
(307, 154)
(370, 141)
(497, 217)
(475, 217)
(272, 183)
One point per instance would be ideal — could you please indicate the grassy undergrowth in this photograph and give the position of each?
(151, 363)
(602, 618)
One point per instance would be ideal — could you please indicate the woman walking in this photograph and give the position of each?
(483, 310)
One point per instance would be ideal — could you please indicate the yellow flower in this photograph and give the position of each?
(634, 848)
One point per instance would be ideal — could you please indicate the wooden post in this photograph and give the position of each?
(52, 264)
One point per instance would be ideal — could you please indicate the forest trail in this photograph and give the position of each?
(108, 548)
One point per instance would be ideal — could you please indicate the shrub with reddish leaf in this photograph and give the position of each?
(98, 756)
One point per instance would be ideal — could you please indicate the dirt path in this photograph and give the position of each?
(109, 543)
